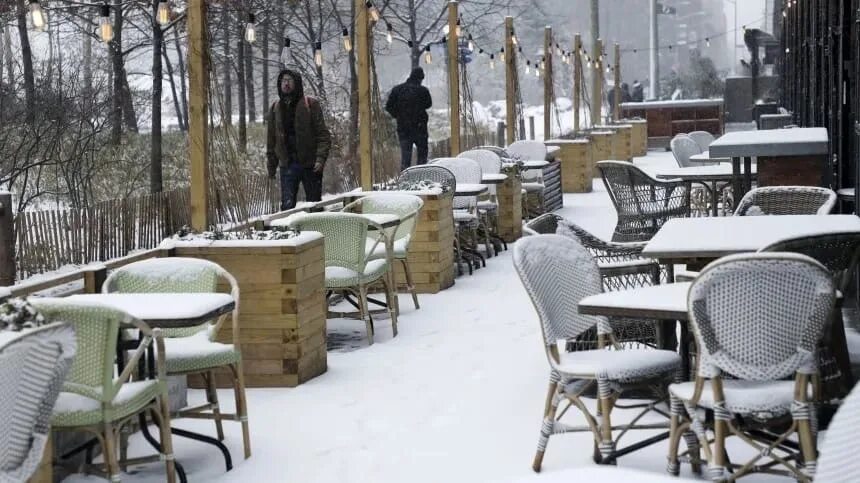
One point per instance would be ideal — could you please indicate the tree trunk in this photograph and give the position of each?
(267, 22)
(415, 53)
(88, 62)
(7, 54)
(117, 67)
(183, 87)
(27, 55)
(177, 108)
(155, 175)
(130, 115)
(228, 77)
(249, 82)
(240, 66)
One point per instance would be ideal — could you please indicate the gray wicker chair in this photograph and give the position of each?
(557, 272)
(488, 206)
(33, 366)
(532, 178)
(430, 173)
(643, 204)
(750, 338)
(787, 200)
(703, 139)
(683, 147)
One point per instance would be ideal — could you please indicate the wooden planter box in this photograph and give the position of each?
(622, 135)
(282, 311)
(639, 136)
(510, 198)
(576, 165)
(601, 148)
(668, 118)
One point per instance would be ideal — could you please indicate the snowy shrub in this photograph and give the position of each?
(16, 315)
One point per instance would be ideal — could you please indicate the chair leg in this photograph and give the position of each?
(804, 417)
(241, 405)
(672, 467)
(166, 438)
(389, 301)
(365, 314)
(110, 452)
(605, 401)
(212, 398)
(547, 425)
(409, 284)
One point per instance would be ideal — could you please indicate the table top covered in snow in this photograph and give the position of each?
(716, 172)
(166, 310)
(772, 142)
(385, 220)
(707, 158)
(493, 178)
(668, 302)
(678, 103)
(467, 189)
(559, 142)
(705, 238)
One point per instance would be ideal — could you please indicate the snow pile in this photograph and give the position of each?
(187, 234)
(16, 315)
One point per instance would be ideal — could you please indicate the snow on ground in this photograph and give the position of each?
(458, 396)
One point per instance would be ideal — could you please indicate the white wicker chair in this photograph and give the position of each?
(787, 200)
(532, 178)
(468, 171)
(488, 207)
(33, 366)
(703, 139)
(557, 273)
(757, 319)
(683, 147)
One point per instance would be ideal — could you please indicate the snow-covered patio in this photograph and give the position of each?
(457, 396)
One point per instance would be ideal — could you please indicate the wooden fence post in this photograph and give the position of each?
(577, 81)
(548, 88)
(500, 134)
(616, 99)
(7, 241)
(198, 127)
(454, 76)
(597, 85)
(510, 72)
(532, 128)
(94, 278)
(365, 139)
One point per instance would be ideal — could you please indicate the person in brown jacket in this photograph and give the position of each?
(298, 141)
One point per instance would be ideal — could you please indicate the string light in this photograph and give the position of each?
(347, 42)
(390, 35)
(37, 16)
(471, 44)
(250, 29)
(428, 57)
(105, 26)
(514, 38)
(492, 62)
(318, 59)
(707, 42)
(372, 10)
(163, 13)
(459, 29)
(528, 67)
(285, 52)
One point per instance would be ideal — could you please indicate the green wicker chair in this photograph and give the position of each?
(406, 207)
(348, 266)
(194, 350)
(93, 399)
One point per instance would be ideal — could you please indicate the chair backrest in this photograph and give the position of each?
(165, 275)
(633, 191)
(703, 139)
(430, 173)
(527, 150)
(406, 207)
(683, 147)
(787, 200)
(500, 152)
(345, 237)
(489, 161)
(557, 272)
(838, 252)
(33, 367)
(96, 330)
(837, 459)
(545, 224)
(467, 171)
(759, 316)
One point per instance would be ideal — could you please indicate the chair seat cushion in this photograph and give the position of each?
(763, 399)
(197, 353)
(487, 206)
(627, 365)
(533, 187)
(73, 409)
(400, 246)
(462, 216)
(342, 277)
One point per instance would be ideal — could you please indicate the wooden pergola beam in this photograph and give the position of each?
(198, 112)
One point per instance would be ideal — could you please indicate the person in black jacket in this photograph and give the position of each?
(408, 103)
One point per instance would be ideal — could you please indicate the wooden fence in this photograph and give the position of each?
(47, 240)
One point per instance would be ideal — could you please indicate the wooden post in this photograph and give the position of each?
(577, 81)
(454, 76)
(94, 278)
(532, 128)
(597, 85)
(510, 72)
(616, 108)
(500, 134)
(365, 148)
(198, 112)
(7, 241)
(547, 83)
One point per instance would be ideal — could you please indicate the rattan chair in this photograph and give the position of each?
(488, 207)
(430, 173)
(33, 366)
(787, 200)
(349, 265)
(643, 204)
(194, 350)
(96, 400)
(406, 208)
(757, 319)
(557, 272)
(683, 147)
(469, 224)
(703, 139)
(532, 178)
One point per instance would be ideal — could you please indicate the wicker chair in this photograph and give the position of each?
(33, 366)
(194, 350)
(349, 266)
(557, 273)
(532, 178)
(97, 401)
(683, 147)
(703, 139)
(751, 337)
(500, 152)
(406, 207)
(488, 207)
(787, 200)
(431, 173)
(643, 204)
(469, 224)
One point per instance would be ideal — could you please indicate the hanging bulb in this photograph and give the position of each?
(707, 42)
(163, 13)
(428, 57)
(318, 60)
(37, 16)
(558, 50)
(502, 55)
(105, 26)
(390, 35)
(514, 38)
(492, 62)
(528, 67)
(537, 73)
(285, 52)
(471, 44)
(371, 9)
(347, 42)
(250, 29)
(446, 29)
(459, 29)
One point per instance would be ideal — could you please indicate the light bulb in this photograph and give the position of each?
(707, 42)
(347, 43)
(471, 44)
(492, 62)
(37, 16)
(371, 9)
(250, 30)
(446, 29)
(537, 73)
(163, 14)
(285, 52)
(514, 38)
(459, 29)
(318, 60)
(428, 57)
(502, 56)
(389, 36)
(105, 26)
(528, 68)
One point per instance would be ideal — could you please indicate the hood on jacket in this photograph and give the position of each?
(299, 91)
(417, 76)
